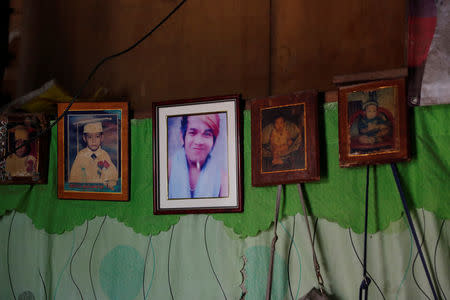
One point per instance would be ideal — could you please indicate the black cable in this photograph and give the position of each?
(7, 255)
(364, 287)
(411, 226)
(435, 265)
(43, 283)
(91, 74)
(75, 253)
(289, 260)
(415, 259)
(168, 261)
(360, 261)
(145, 265)
(315, 229)
(209, 258)
(90, 257)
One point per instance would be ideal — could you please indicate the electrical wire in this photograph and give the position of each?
(435, 265)
(364, 287)
(411, 226)
(315, 229)
(210, 261)
(7, 256)
(168, 262)
(43, 284)
(91, 74)
(289, 259)
(73, 256)
(92, 253)
(360, 261)
(417, 255)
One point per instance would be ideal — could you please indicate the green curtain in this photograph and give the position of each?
(337, 197)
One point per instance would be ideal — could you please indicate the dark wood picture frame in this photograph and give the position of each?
(196, 144)
(29, 164)
(289, 152)
(93, 167)
(373, 123)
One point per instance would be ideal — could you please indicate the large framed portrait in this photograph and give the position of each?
(373, 123)
(24, 154)
(93, 151)
(196, 155)
(285, 145)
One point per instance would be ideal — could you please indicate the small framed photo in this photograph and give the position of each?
(196, 156)
(93, 151)
(29, 163)
(285, 145)
(373, 123)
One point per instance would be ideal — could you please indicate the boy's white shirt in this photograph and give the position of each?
(86, 169)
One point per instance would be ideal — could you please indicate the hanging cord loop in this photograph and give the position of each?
(316, 263)
(274, 241)
(364, 287)
(411, 226)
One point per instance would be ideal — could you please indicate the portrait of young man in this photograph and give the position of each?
(197, 156)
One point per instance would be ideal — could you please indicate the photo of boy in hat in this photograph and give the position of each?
(93, 164)
(371, 127)
(21, 163)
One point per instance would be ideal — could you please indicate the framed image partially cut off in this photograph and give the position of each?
(24, 150)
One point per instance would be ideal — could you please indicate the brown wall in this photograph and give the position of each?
(316, 40)
(208, 48)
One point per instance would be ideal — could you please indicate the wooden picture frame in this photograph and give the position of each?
(28, 164)
(93, 151)
(285, 143)
(196, 156)
(373, 123)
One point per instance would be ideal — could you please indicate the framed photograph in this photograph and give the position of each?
(93, 151)
(27, 164)
(373, 125)
(285, 145)
(196, 156)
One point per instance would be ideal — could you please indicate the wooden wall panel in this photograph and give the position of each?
(312, 41)
(8, 83)
(207, 48)
(251, 47)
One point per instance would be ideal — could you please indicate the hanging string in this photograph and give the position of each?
(361, 263)
(289, 258)
(315, 261)
(411, 225)
(435, 265)
(3, 150)
(274, 241)
(417, 255)
(364, 287)
(91, 74)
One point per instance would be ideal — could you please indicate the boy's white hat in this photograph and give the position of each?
(372, 99)
(93, 127)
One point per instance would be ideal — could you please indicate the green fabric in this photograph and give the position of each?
(202, 259)
(337, 197)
